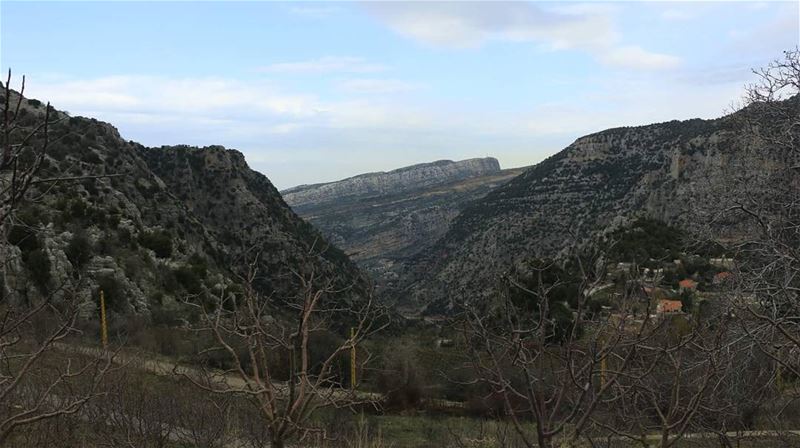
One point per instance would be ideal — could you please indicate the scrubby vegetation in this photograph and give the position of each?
(159, 241)
(647, 242)
(634, 339)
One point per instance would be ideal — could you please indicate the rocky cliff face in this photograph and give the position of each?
(383, 218)
(167, 223)
(401, 180)
(669, 171)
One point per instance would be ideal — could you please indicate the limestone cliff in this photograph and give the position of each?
(672, 171)
(167, 223)
(383, 218)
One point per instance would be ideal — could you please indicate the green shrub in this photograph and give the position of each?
(687, 300)
(198, 264)
(220, 358)
(164, 316)
(563, 286)
(645, 239)
(38, 265)
(167, 280)
(113, 220)
(79, 250)
(399, 379)
(132, 263)
(91, 157)
(33, 255)
(23, 237)
(78, 208)
(70, 139)
(126, 239)
(165, 341)
(159, 241)
(189, 279)
(321, 345)
(114, 291)
(106, 245)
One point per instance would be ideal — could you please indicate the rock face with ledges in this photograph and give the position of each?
(668, 171)
(401, 180)
(168, 223)
(381, 219)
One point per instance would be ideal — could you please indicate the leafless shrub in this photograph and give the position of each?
(250, 329)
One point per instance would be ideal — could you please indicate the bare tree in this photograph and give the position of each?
(205, 421)
(554, 364)
(676, 382)
(134, 411)
(763, 198)
(38, 381)
(254, 332)
(22, 150)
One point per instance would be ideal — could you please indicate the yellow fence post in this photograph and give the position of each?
(353, 358)
(603, 371)
(103, 321)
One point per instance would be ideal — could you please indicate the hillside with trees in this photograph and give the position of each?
(639, 288)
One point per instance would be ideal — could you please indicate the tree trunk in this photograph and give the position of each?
(277, 442)
(664, 439)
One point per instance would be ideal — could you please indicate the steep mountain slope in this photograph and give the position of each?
(382, 218)
(244, 212)
(166, 223)
(666, 171)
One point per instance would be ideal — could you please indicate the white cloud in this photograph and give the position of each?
(377, 86)
(737, 74)
(214, 108)
(782, 31)
(328, 64)
(190, 96)
(363, 132)
(470, 24)
(635, 57)
(589, 28)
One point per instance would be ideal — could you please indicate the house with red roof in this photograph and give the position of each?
(721, 277)
(687, 284)
(667, 306)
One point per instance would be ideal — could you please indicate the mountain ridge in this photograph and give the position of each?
(391, 182)
(383, 223)
(670, 171)
(158, 225)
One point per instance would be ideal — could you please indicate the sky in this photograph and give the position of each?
(318, 91)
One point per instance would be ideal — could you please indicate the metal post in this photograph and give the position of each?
(603, 371)
(103, 321)
(353, 358)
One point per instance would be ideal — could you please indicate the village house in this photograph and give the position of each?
(721, 277)
(722, 263)
(687, 284)
(667, 306)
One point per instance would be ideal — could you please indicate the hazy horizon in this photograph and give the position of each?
(317, 92)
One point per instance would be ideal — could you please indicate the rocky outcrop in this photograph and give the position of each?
(401, 180)
(671, 171)
(165, 224)
(380, 219)
(244, 213)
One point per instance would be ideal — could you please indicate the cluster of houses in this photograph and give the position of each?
(668, 300)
